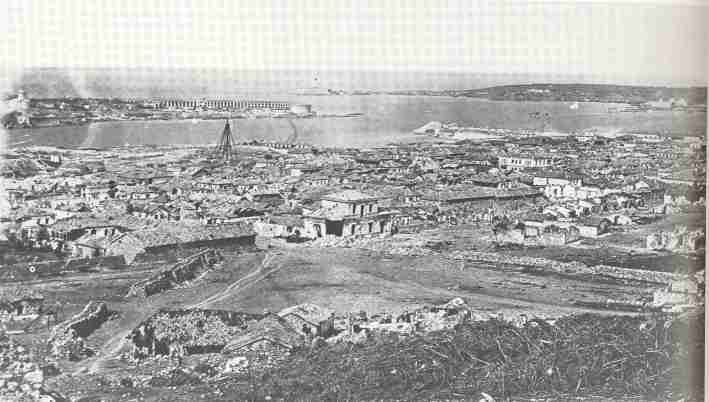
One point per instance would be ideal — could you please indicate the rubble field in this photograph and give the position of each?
(376, 280)
(584, 358)
(71, 294)
(624, 249)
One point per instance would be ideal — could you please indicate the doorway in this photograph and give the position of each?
(333, 227)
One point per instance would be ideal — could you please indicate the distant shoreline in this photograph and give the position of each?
(384, 119)
(177, 118)
(695, 96)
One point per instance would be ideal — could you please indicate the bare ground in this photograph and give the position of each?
(342, 279)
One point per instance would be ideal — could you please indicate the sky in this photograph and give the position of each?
(653, 43)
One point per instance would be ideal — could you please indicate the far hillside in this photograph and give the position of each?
(589, 93)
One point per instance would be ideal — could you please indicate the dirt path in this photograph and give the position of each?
(253, 277)
(112, 347)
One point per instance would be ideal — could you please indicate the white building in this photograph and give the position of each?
(518, 162)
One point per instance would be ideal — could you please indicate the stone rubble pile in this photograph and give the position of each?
(354, 242)
(68, 345)
(680, 240)
(22, 375)
(67, 338)
(359, 328)
(412, 246)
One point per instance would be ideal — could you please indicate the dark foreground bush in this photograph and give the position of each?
(613, 357)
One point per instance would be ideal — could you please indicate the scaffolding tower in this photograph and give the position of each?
(225, 146)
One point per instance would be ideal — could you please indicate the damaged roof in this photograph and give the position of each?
(272, 328)
(350, 196)
(309, 312)
(90, 221)
(168, 234)
(288, 220)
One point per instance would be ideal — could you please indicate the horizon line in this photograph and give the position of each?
(525, 78)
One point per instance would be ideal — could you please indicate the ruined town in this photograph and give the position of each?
(138, 267)
(335, 201)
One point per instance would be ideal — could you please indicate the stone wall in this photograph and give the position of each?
(87, 321)
(244, 243)
(209, 331)
(185, 270)
(516, 236)
(67, 338)
(664, 278)
(277, 230)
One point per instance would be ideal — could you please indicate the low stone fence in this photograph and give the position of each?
(578, 268)
(184, 271)
(666, 278)
(86, 322)
(67, 338)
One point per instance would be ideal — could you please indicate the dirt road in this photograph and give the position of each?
(258, 274)
(113, 346)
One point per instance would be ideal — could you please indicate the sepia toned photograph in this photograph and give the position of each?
(353, 200)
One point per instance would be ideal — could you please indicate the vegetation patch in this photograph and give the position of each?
(647, 357)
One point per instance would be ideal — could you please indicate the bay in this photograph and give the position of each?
(385, 119)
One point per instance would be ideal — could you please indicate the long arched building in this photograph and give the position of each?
(222, 104)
